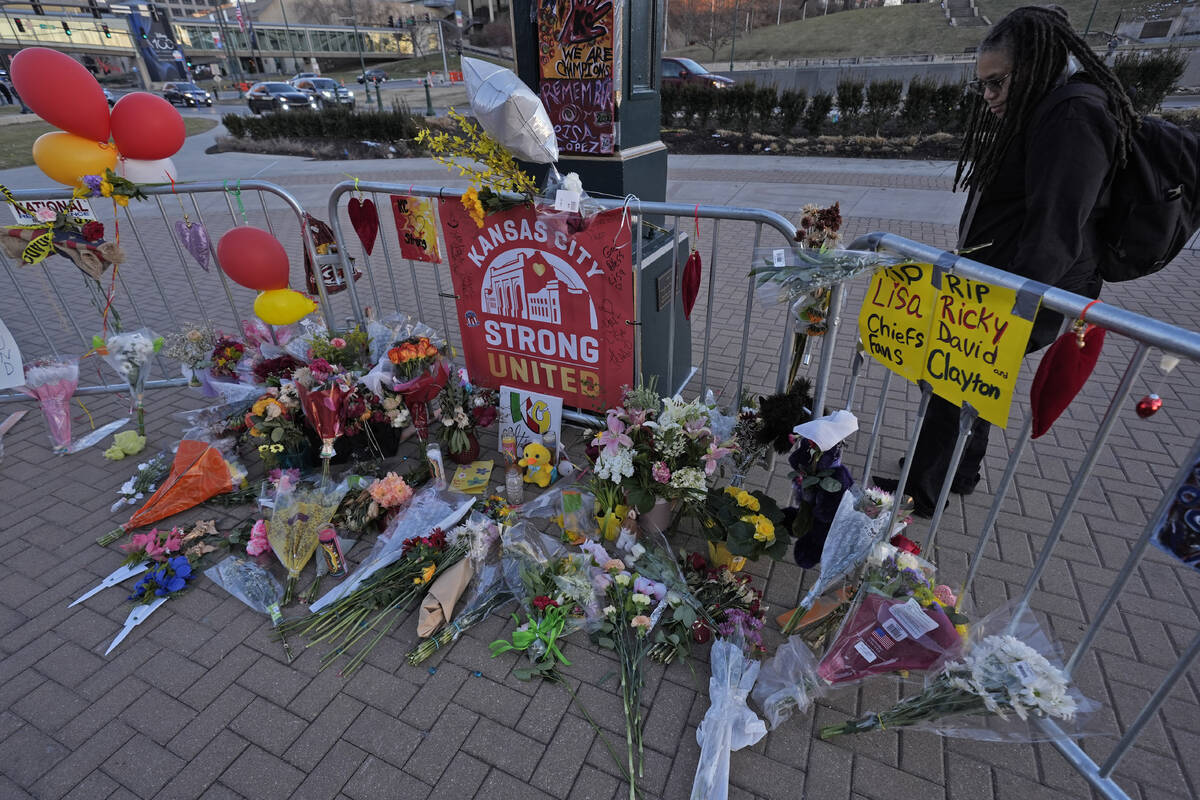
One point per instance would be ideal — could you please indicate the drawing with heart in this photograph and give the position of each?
(365, 221)
(194, 238)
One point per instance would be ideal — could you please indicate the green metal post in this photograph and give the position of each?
(378, 97)
(428, 98)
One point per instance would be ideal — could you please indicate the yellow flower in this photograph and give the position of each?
(474, 207)
(747, 500)
(106, 188)
(121, 199)
(764, 530)
(426, 575)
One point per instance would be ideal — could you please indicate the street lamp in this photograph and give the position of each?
(362, 62)
(288, 32)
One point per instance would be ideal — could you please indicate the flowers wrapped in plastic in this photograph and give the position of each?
(52, 382)
(323, 389)
(420, 373)
(299, 517)
(253, 585)
(787, 683)
(1004, 679)
(729, 724)
(129, 354)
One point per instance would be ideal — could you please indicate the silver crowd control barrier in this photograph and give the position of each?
(159, 285)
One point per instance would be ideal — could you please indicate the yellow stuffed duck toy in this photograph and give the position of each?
(538, 469)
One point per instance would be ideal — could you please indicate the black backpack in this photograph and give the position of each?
(1155, 197)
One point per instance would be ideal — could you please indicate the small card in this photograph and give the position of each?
(779, 257)
(566, 200)
(914, 619)
(866, 652)
(472, 478)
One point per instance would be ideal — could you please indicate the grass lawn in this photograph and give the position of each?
(16, 139)
(890, 30)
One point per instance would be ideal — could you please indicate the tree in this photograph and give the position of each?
(704, 22)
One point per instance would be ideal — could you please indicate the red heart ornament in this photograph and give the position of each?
(1148, 406)
(365, 221)
(690, 283)
(1063, 372)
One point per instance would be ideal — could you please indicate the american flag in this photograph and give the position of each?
(880, 640)
(240, 20)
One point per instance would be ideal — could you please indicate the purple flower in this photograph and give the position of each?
(602, 581)
(596, 551)
(93, 183)
(613, 439)
(650, 588)
(661, 472)
(744, 623)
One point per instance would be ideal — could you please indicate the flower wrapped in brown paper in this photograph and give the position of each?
(437, 609)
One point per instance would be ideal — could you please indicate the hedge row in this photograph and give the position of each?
(335, 123)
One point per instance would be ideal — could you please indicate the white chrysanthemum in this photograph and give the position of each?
(689, 479)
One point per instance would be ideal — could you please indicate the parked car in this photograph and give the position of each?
(678, 71)
(186, 94)
(112, 101)
(300, 75)
(276, 96)
(327, 91)
(373, 75)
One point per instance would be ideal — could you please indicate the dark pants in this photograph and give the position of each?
(935, 445)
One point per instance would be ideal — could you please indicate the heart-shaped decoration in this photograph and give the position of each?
(194, 238)
(1063, 372)
(690, 283)
(539, 268)
(365, 221)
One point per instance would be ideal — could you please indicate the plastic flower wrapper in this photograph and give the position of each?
(788, 683)
(199, 471)
(298, 518)
(851, 537)
(1008, 676)
(729, 724)
(325, 408)
(427, 510)
(129, 354)
(508, 110)
(52, 382)
(250, 583)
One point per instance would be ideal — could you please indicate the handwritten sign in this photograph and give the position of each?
(12, 371)
(528, 416)
(416, 228)
(582, 112)
(896, 317)
(965, 338)
(575, 38)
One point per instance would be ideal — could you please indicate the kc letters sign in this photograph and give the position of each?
(966, 338)
(543, 308)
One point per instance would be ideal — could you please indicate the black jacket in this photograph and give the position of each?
(1041, 212)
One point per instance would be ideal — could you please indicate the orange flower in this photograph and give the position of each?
(394, 355)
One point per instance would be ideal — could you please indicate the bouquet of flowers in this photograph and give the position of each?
(748, 524)
(166, 579)
(347, 350)
(129, 354)
(273, 420)
(371, 503)
(419, 374)
(729, 724)
(999, 675)
(298, 518)
(463, 409)
(378, 603)
(191, 346)
(788, 683)
(227, 353)
(721, 593)
(275, 370)
(323, 389)
(52, 382)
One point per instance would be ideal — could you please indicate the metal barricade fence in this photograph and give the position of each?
(728, 264)
(1145, 333)
(159, 285)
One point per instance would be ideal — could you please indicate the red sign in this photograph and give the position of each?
(416, 228)
(543, 308)
(582, 113)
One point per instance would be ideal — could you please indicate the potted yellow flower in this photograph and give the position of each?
(741, 525)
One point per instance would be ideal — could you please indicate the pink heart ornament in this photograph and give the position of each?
(194, 238)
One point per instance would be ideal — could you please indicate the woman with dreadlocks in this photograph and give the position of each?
(1038, 156)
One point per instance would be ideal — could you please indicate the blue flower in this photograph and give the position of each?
(181, 566)
(174, 584)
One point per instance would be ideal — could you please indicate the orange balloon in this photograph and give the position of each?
(66, 158)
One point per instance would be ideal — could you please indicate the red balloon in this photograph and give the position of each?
(146, 127)
(61, 91)
(253, 258)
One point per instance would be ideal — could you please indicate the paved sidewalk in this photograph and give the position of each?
(200, 701)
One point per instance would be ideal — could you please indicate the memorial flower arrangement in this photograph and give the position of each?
(274, 371)
(109, 184)
(372, 502)
(227, 353)
(52, 382)
(348, 350)
(274, 422)
(997, 676)
(192, 346)
(167, 579)
(556, 594)
(323, 389)
(748, 524)
(129, 354)
(419, 375)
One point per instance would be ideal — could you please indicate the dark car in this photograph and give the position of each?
(678, 71)
(373, 75)
(108, 97)
(274, 96)
(186, 94)
(326, 91)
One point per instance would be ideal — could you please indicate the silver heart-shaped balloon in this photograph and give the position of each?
(194, 238)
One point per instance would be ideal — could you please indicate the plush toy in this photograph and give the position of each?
(538, 469)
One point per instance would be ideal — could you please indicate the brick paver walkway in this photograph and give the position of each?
(200, 701)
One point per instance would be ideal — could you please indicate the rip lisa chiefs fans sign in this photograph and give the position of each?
(964, 337)
(542, 307)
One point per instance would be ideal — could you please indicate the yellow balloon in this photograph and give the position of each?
(283, 306)
(66, 158)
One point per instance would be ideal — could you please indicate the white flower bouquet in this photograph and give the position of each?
(129, 354)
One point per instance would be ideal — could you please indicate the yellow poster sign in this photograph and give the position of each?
(965, 338)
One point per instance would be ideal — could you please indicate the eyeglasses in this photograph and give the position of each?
(981, 85)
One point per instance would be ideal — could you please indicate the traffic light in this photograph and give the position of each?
(66, 28)
(37, 8)
(391, 21)
(107, 33)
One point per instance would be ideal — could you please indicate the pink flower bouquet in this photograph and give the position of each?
(52, 382)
